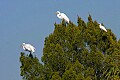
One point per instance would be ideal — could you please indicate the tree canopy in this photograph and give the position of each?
(75, 52)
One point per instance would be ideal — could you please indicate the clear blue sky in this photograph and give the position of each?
(30, 21)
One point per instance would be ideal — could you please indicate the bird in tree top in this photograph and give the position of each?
(29, 48)
(62, 16)
(102, 27)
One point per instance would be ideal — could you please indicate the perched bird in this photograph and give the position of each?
(29, 48)
(102, 27)
(62, 16)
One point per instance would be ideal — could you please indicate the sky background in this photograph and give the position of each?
(30, 21)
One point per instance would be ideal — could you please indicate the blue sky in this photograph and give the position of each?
(30, 21)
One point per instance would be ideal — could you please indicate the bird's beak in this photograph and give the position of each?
(56, 13)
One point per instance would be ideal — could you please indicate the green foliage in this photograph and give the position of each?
(69, 75)
(75, 52)
(56, 76)
(31, 69)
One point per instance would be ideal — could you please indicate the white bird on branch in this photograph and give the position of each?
(62, 16)
(102, 27)
(29, 48)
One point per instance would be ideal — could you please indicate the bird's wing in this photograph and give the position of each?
(31, 48)
(65, 17)
(102, 27)
(28, 47)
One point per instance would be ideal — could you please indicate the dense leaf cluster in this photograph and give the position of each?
(75, 52)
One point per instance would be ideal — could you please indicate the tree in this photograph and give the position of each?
(31, 69)
(56, 76)
(76, 52)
